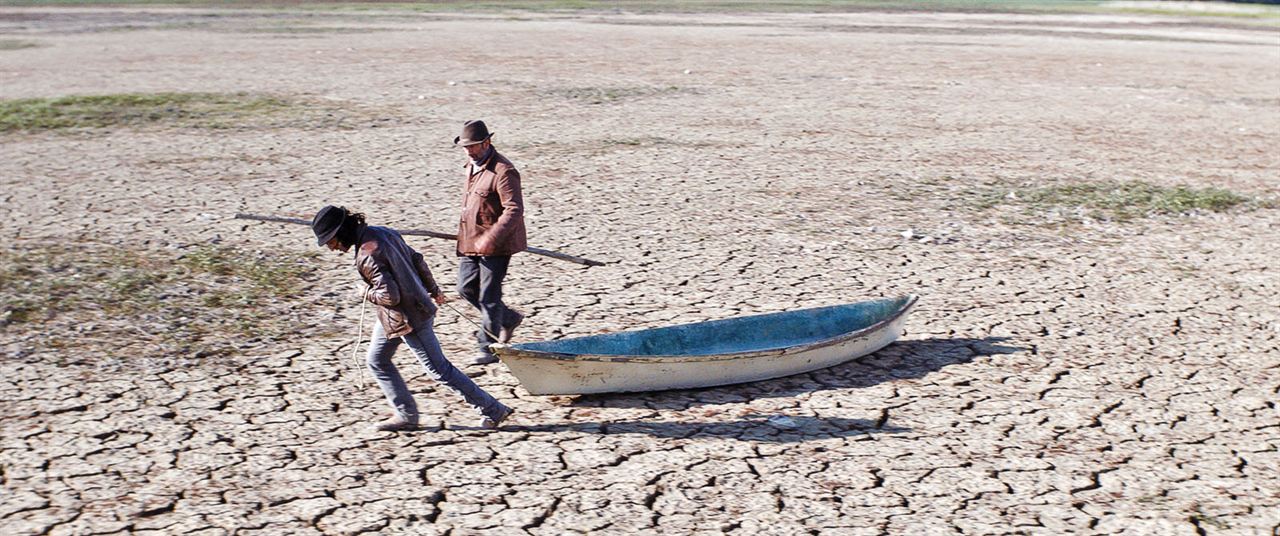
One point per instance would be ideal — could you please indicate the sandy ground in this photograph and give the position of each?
(1058, 376)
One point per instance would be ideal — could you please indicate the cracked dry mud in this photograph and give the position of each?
(1058, 376)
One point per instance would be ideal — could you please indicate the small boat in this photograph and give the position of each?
(705, 354)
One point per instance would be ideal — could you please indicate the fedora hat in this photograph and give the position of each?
(327, 222)
(473, 132)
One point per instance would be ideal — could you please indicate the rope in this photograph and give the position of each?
(468, 319)
(355, 348)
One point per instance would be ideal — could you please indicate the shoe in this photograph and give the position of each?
(492, 423)
(504, 334)
(397, 424)
(483, 358)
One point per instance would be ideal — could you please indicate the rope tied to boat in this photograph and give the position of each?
(355, 348)
(473, 322)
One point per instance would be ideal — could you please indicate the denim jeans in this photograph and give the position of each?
(424, 344)
(480, 283)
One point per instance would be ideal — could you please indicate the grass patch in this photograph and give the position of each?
(673, 6)
(308, 30)
(92, 300)
(610, 95)
(641, 141)
(206, 110)
(1113, 200)
(1261, 16)
(182, 110)
(652, 141)
(716, 6)
(15, 44)
(712, 6)
(1238, 10)
(275, 277)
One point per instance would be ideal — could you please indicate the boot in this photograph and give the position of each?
(397, 424)
(504, 334)
(483, 357)
(492, 423)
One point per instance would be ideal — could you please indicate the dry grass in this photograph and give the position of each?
(91, 299)
(670, 6)
(301, 30)
(1113, 200)
(15, 44)
(610, 95)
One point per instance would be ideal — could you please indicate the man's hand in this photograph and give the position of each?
(484, 242)
(361, 291)
(440, 298)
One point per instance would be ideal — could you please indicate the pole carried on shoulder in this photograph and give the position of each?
(432, 234)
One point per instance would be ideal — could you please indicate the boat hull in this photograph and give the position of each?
(550, 373)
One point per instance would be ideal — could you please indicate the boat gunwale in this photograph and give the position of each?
(504, 350)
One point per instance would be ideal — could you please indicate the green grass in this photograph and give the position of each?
(208, 110)
(1112, 200)
(209, 300)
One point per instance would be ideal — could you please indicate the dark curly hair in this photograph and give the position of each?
(349, 230)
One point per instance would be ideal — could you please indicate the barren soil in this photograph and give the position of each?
(1062, 373)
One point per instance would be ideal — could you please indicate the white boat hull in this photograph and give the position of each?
(550, 374)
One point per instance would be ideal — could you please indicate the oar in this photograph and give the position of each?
(432, 234)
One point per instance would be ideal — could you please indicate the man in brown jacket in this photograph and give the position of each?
(490, 232)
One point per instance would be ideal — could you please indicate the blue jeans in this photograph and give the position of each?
(424, 344)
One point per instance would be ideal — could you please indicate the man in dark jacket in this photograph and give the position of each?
(398, 281)
(490, 232)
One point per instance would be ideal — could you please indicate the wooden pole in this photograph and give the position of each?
(432, 234)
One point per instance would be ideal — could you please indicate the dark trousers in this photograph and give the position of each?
(480, 283)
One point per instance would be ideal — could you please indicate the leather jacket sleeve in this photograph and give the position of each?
(382, 286)
(507, 185)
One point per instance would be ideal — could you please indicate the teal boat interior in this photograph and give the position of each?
(733, 335)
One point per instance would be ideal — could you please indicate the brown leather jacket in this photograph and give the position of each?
(493, 207)
(400, 282)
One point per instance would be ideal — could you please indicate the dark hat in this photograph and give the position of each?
(473, 132)
(327, 222)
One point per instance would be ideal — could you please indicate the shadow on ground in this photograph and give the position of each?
(779, 429)
(902, 360)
